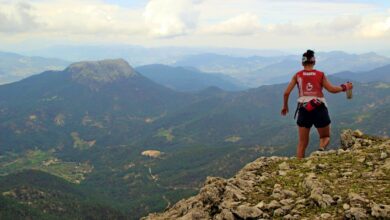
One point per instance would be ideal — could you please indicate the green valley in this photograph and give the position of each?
(44, 161)
(113, 144)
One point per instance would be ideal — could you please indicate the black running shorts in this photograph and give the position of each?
(319, 117)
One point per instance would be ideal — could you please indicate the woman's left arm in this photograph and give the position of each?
(335, 89)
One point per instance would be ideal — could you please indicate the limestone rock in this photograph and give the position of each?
(246, 212)
(358, 133)
(282, 173)
(308, 164)
(338, 199)
(347, 174)
(315, 183)
(386, 165)
(361, 159)
(356, 200)
(287, 208)
(356, 213)
(277, 188)
(261, 205)
(225, 215)
(347, 139)
(233, 192)
(287, 201)
(346, 206)
(288, 217)
(229, 204)
(301, 201)
(273, 205)
(289, 193)
(322, 200)
(284, 166)
(212, 193)
(279, 212)
(195, 214)
(326, 216)
(380, 211)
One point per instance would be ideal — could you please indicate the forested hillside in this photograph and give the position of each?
(142, 146)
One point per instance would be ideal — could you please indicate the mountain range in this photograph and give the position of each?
(138, 55)
(232, 65)
(248, 68)
(188, 79)
(381, 74)
(257, 70)
(103, 126)
(14, 67)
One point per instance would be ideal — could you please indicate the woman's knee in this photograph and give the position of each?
(324, 132)
(324, 136)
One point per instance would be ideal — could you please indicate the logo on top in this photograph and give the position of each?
(309, 87)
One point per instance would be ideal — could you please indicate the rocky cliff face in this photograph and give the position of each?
(350, 183)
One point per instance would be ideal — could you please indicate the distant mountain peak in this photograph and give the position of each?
(95, 73)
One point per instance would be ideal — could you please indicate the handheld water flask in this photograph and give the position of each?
(349, 93)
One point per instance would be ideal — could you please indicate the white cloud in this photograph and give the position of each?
(341, 25)
(246, 23)
(17, 18)
(287, 29)
(91, 17)
(338, 26)
(243, 24)
(70, 17)
(376, 27)
(169, 18)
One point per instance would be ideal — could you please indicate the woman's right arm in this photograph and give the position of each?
(286, 95)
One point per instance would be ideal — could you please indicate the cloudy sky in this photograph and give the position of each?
(351, 25)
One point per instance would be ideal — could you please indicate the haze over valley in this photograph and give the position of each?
(270, 67)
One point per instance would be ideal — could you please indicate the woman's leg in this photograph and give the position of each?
(324, 136)
(303, 141)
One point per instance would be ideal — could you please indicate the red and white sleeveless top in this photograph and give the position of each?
(309, 85)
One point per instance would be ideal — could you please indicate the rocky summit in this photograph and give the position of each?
(350, 183)
(100, 72)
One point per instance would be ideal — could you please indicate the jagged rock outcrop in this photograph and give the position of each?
(350, 183)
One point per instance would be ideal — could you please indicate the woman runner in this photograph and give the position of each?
(312, 107)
